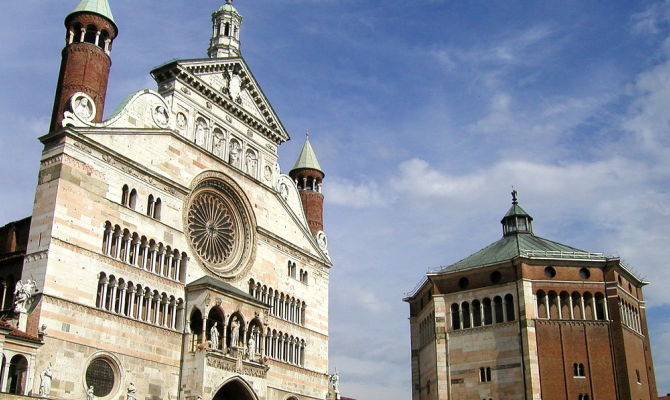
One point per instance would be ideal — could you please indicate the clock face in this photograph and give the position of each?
(220, 227)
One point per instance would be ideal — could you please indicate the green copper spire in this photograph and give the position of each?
(95, 6)
(307, 158)
(228, 7)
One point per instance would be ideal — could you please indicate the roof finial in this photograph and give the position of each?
(514, 193)
(229, 1)
(307, 134)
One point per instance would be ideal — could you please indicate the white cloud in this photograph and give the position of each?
(343, 192)
(652, 18)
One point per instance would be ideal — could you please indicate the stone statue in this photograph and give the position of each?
(251, 347)
(252, 162)
(181, 120)
(45, 381)
(90, 394)
(234, 153)
(335, 384)
(218, 145)
(214, 336)
(200, 133)
(22, 294)
(235, 334)
(131, 391)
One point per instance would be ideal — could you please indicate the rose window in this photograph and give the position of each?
(212, 229)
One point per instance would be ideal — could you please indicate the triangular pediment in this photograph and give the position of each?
(230, 83)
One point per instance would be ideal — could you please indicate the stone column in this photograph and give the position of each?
(144, 247)
(112, 297)
(108, 241)
(131, 305)
(122, 300)
(581, 306)
(572, 307)
(607, 315)
(594, 308)
(117, 249)
(546, 306)
(560, 306)
(4, 295)
(168, 266)
(97, 38)
(126, 256)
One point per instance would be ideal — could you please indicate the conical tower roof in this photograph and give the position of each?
(95, 6)
(307, 158)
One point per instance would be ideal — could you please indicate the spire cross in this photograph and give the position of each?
(307, 134)
(229, 1)
(514, 200)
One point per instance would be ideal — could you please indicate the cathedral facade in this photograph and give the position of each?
(167, 256)
(530, 318)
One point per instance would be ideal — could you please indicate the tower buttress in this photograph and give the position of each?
(308, 176)
(85, 60)
(225, 40)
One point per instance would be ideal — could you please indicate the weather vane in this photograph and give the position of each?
(514, 193)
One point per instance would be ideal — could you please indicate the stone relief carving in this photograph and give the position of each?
(267, 173)
(161, 116)
(283, 191)
(210, 223)
(90, 393)
(83, 106)
(322, 241)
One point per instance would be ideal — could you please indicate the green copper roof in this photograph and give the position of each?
(307, 158)
(95, 6)
(516, 210)
(512, 246)
(228, 7)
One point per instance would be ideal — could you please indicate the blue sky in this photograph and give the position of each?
(423, 114)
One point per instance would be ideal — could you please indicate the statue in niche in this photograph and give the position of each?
(214, 336)
(234, 153)
(219, 142)
(45, 381)
(22, 295)
(201, 133)
(90, 394)
(181, 120)
(131, 392)
(252, 162)
(235, 333)
(251, 346)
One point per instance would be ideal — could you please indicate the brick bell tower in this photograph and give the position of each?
(308, 175)
(85, 61)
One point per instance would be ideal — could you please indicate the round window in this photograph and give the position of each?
(496, 276)
(550, 272)
(220, 225)
(100, 376)
(584, 273)
(463, 283)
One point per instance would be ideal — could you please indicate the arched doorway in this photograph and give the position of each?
(16, 379)
(236, 389)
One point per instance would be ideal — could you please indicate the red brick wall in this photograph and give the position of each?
(312, 202)
(563, 343)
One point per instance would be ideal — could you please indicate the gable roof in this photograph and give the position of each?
(209, 281)
(190, 71)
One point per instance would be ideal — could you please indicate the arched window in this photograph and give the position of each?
(455, 317)
(577, 306)
(476, 313)
(132, 200)
(77, 33)
(553, 305)
(600, 306)
(589, 306)
(498, 308)
(542, 311)
(196, 328)
(104, 35)
(465, 307)
(18, 371)
(91, 34)
(150, 205)
(509, 307)
(125, 195)
(226, 29)
(157, 209)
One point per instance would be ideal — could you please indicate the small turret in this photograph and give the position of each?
(308, 176)
(85, 65)
(225, 40)
(516, 220)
